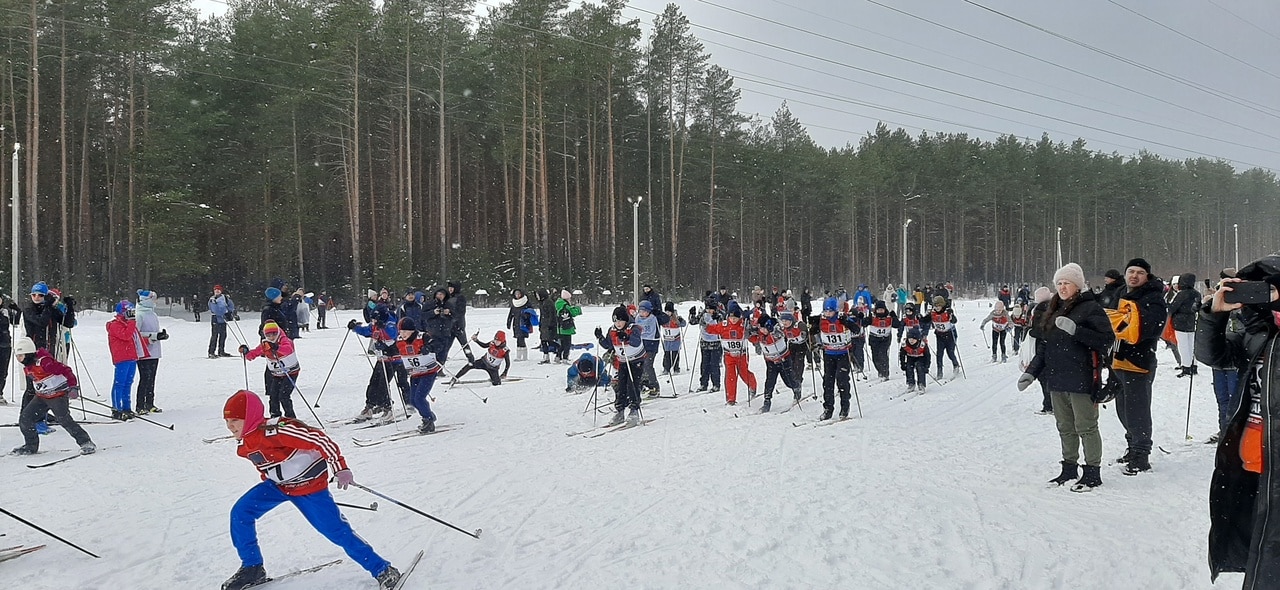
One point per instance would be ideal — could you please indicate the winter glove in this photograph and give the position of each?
(163, 335)
(1065, 324)
(599, 333)
(275, 346)
(229, 317)
(73, 393)
(345, 478)
(70, 301)
(351, 325)
(243, 350)
(1025, 381)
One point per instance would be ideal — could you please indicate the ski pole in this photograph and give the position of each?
(483, 400)
(371, 508)
(331, 367)
(304, 400)
(76, 350)
(693, 370)
(1189, 385)
(32, 525)
(143, 418)
(245, 361)
(475, 535)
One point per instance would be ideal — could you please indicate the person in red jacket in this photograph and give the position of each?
(294, 461)
(496, 355)
(127, 346)
(282, 368)
(55, 387)
(733, 341)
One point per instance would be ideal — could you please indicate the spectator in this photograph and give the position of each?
(221, 311)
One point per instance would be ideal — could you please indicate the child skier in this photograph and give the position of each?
(880, 326)
(1018, 317)
(127, 346)
(733, 341)
(295, 462)
(709, 346)
(911, 319)
(651, 335)
(999, 319)
(772, 340)
(495, 356)
(418, 357)
(377, 396)
(858, 348)
(943, 322)
(55, 386)
(672, 340)
(587, 371)
(913, 358)
(282, 368)
(835, 336)
(625, 341)
(797, 333)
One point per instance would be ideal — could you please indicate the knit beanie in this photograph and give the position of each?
(565, 294)
(1140, 263)
(1113, 274)
(1072, 272)
(620, 314)
(1043, 294)
(272, 293)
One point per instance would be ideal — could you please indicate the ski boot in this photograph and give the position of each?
(427, 426)
(700, 389)
(826, 414)
(714, 388)
(844, 410)
(224, 354)
(633, 417)
(126, 415)
(213, 356)
(796, 393)
(154, 410)
(1004, 358)
(993, 358)
(618, 418)
(3, 402)
(142, 411)
(24, 450)
(88, 448)
(245, 577)
(1070, 472)
(389, 578)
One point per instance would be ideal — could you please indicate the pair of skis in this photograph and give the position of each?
(369, 442)
(67, 458)
(607, 428)
(404, 575)
(17, 551)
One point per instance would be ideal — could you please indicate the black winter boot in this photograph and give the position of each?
(768, 403)
(1092, 478)
(1070, 472)
(389, 577)
(1128, 454)
(1137, 464)
(826, 414)
(250, 575)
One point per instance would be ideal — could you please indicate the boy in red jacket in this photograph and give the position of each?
(294, 460)
(127, 346)
(55, 386)
(282, 368)
(733, 340)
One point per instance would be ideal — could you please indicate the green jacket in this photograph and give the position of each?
(565, 312)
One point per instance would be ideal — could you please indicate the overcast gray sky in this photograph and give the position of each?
(842, 65)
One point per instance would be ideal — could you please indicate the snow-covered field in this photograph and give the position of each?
(941, 491)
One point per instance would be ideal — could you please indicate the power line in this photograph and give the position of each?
(1244, 20)
(1192, 39)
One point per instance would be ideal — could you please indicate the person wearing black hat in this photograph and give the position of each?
(1113, 283)
(1182, 312)
(624, 339)
(1139, 320)
(1242, 536)
(672, 340)
(547, 325)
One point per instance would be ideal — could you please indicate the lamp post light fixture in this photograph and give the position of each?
(1059, 241)
(635, 248)
(904, 252)
(1236, 228)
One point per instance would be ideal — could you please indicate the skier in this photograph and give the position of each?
(858, 348)
(149, 328)
(520, 320)
(283, 313)
(8, 317)
(382, 334)
(1139, 320)
(1182, 313)
(911, 319)
(1075, 334)
(733, 341)
(565, 312)
(127, 346)
(282, 368)
(55, 387)
(1018, 317)
(419, 359)
(295, 462)
(999, 320)
(913, 359)
(587, 371)
(1023, 297)
(863, 296)
(548, 327)
(709, 346)
(625, 341)
(496, 355)
(772, 340)
(880, 326)
(835, 335)
(672, 341)
(943, 322)
(43, 321)
(1004, 296)
(797, 334)
(651, 335)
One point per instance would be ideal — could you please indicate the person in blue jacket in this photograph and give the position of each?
(587, 371)
(221, 310)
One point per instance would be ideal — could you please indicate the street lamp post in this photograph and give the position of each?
(1236, 228)
(904, 252)
(1059, 241)
(635, 249)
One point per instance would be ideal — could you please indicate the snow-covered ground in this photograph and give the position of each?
(941, 491)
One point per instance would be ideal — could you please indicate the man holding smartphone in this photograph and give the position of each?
(1134, 362)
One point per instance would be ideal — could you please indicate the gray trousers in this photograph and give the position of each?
(1077, 418)
(34, 411)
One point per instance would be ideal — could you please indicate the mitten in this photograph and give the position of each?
(599, 333)
(1065, 324)
(351, 325)
(1025, 381)
(163, 335)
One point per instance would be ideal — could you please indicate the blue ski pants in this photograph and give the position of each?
(318, 508)
(122, 387)
(420, 393)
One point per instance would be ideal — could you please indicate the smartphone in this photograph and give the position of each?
(1248, 292)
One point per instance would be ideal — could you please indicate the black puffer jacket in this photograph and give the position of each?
(1182, 310)
(1242, 535)
(437, 315)
(547, 326)
(1072, 363)
(1110, 294)
(458, 302)
(1152, 314)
